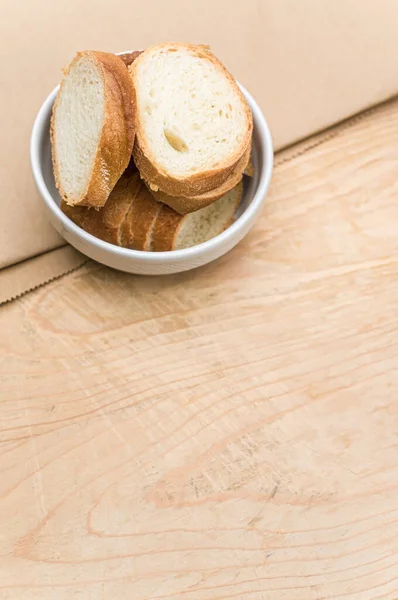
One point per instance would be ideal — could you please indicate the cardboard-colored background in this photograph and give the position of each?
(309, 64)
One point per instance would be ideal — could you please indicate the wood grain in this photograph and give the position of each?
(230, 433)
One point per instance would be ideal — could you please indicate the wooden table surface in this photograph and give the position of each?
(231, 433)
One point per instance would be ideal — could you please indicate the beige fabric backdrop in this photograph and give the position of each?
(309, 63)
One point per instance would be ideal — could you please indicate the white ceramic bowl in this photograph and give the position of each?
(153, 263)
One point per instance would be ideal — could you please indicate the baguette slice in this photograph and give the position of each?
(106, 223)
(175, 232)
(92, 128)
(249, 171)
(137, 227)
(184, 205)
(192, 122)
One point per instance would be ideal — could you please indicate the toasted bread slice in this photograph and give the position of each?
(193, 124)
(175, 232)
(92, 128)
(106, 223)
(184, 205)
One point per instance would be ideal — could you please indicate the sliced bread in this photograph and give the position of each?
(249, 171)
(136, 229)
(175, 232)
(184, 205)
(133, 219)
(193, 124)
(106, 223)
(92, 128)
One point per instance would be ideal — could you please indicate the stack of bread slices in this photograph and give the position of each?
(149, 148)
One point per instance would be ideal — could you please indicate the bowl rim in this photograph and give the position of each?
(172, 256)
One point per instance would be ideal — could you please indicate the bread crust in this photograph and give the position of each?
(249, 170)
(136, 229)
(197, 183)
(106, 223)
(166, 229)
(129, 57)
(117, 135)
(184, 205)
(168, 224)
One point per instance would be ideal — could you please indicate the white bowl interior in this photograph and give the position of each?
(135, 261)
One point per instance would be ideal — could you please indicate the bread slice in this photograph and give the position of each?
(184, 205)
(249, 170)
(133, 219)
(92, 128)
(175, 232)
(106, 223)
(192, 122)
(137, 227)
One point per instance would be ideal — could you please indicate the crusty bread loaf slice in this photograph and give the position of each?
(92, 128)
(175, 232)
(249, 170)
(106, 223)
(192, 122)
(136, 229)
(133, 219)
(184, 205)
